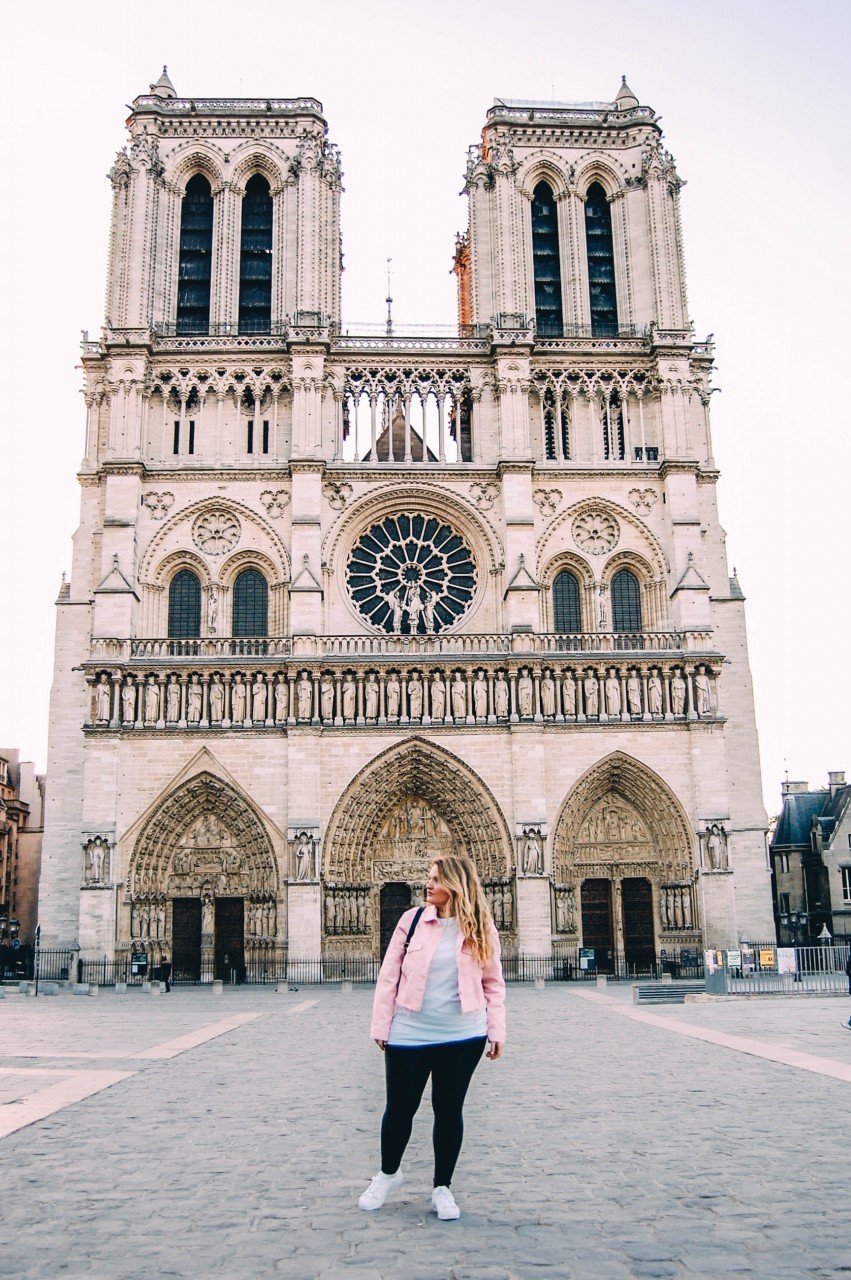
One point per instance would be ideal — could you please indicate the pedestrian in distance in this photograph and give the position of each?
(439, 1000)
(165, 972)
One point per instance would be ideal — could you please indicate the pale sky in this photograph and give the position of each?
(753, 98)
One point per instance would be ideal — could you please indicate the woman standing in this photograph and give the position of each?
(439, 999)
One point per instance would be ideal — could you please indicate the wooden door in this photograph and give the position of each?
(395, 899)
(230, 939)
(186, 939)
(639, 941)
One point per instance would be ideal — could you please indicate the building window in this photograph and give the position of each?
(845, 872)
(601, 263)
(265, 436)
(196, 258)
(184, 606)
(781, 862)
(566, 616)
(556, 435)
(176, 447)
(250, 604)
(613, 434)
(547, 267)
(626, 602)
(192, 436)
(255, 260)
(249, 437)
(783, 903)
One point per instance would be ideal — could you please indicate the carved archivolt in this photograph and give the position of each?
(620, 819)
(410, 803)
(217, 522)
(625, 527)
(204, 838)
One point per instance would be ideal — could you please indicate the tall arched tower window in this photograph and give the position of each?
(601, 263)
(250, 604)
(626, 602)
(196, 257)
(255, 258)
(184, 606)
(545, 256)
(566, 613)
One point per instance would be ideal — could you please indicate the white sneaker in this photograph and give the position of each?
(376, 1192)
(444, 1204)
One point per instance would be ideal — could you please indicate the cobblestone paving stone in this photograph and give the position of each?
(600, 1148)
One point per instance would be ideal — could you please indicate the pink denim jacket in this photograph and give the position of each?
(478, 987)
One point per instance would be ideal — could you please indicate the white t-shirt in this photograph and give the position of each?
(441, 1019)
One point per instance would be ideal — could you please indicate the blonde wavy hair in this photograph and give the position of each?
(467, 902)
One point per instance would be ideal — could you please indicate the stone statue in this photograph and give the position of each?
(152, 701)
(533, 854)
(103, 700)
(326, 697)
(654, 693)
(703, 692)
(415, 697)
(238, 700)
(414, 605)
(258, 700)
(329, 913)
(438, 697)
(525, 693)
(96, 859)
(398, 608)
(501, 697)
(217, 700)
(172, 700)
(678, 693)
(213, 612)
(633, 693)
(393, 693)
(561, 913)
(613, 694)
(568, 694)
(716, 847)
(591, 687)
(459, 698)
(371, 691)
(282, 700)
(128, 701)
(349, 692)
(480, 696)
(304, 696)
(304, 853)
(548, 695)
(193, 700)
(428, 612)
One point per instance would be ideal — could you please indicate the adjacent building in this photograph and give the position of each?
(340, 602)
(811, 861)
(22, 793)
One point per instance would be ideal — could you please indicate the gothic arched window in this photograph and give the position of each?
(626, 602)
(547, 265)
(184, 606)
(196, 257)
(612, 423)
(255, 258)
(566, 613)
(556, 435)
(250, 604)
(601, 263)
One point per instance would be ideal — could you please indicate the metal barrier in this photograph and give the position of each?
(772, 970)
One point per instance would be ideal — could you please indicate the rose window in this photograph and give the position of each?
(411, 574)
(596, 532)
(216, 532)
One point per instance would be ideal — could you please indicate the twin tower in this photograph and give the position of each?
(340, 602)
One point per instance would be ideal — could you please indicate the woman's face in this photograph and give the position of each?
(436, 894)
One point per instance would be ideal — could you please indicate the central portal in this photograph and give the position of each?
(229, 955)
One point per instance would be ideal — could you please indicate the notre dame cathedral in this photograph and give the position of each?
(339, 601)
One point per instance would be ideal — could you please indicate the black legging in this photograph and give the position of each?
(451, 1068)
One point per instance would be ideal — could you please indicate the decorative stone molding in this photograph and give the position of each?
(596, 532)
(275, 502)
(643, 499)
(484, 494)
(216, 532)
(337, 493)
(547, 500)
(158, 504)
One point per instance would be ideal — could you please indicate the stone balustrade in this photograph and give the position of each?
(500, 689)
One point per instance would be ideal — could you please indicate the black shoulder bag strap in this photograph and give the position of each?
(411, 932)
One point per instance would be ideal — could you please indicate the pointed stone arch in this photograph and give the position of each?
(469, 817)
(620, 818)
(204, 833)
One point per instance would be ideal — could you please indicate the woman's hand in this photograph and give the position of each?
(494, 1050)
(382, 1044)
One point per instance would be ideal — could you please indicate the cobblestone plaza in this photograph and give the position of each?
(195, 1136)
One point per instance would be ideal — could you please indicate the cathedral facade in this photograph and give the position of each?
(341, 602)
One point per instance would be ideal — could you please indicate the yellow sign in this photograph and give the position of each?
(766, 957)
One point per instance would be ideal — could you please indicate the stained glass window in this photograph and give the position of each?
(566, 615)
(250, 604)
(626, 602)
(184, 606)
(547, 266)
(196, 257)
(601, 263)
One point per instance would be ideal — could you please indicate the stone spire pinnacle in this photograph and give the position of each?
(163, 88)
(625, 98)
